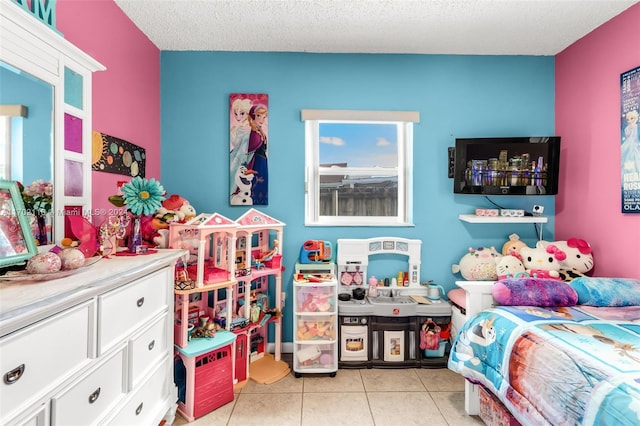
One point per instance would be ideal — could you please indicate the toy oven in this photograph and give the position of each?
(354, 338)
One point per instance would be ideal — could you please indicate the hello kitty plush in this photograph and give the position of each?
(543, 262)
(510, 266)
(478, 264)
(579, 260)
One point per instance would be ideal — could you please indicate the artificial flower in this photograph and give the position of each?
(142, 196)
(37, 196)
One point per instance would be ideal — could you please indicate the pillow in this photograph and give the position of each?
(533, 292)
(597, 291)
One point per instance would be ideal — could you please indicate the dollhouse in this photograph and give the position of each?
(258, 242)
(222, 319)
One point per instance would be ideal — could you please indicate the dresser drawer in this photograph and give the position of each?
(147, 348)
(88, 400)
(148, 403)
(37, 358)
(129, 307)
(38, 416)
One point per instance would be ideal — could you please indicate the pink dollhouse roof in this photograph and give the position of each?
(213, 220)
(258, 219)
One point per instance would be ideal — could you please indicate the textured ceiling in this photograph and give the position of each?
(476, 27)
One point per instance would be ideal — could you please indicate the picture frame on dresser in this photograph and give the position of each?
(17, 244)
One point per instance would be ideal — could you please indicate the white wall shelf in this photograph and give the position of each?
(472, 218)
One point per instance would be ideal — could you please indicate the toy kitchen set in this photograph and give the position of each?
(389, 322)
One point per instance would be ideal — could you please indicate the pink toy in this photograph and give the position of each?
(316, 303)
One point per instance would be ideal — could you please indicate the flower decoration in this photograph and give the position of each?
(37, 197)
(140, 196)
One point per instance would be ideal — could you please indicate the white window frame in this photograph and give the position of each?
(404, 121)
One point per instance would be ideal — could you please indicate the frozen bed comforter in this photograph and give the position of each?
(556, 365)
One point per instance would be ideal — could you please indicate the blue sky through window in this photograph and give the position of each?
(359, 144)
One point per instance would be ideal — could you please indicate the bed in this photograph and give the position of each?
(553, 352)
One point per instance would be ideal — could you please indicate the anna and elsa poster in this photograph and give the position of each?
(630, 146)
(248, 146)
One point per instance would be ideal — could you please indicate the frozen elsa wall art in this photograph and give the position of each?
(248, 143)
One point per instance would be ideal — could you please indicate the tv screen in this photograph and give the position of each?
(507, 166)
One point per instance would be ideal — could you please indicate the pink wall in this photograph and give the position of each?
(126, 97)
(588, 119)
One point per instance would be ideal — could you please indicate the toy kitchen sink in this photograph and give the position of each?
(384, 331)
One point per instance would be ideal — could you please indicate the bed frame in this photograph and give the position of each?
(479, 298)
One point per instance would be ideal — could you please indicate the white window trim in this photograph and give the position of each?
(405, 120)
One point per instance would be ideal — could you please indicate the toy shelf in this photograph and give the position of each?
(315, 321)
(472, 218)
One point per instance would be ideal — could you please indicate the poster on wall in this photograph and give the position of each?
(630, 147)
(114, 155)
(248, 167)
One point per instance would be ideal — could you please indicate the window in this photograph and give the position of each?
(5, 147)
(11, 141)
(358, 167)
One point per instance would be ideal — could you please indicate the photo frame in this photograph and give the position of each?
(17, 244)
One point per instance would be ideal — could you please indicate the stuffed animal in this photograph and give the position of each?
(174, 209)
(579, 260)
(543, 261)
(478, 264)
(513, 245)
(510, 266)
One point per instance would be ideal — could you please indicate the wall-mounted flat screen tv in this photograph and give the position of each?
(507, 166)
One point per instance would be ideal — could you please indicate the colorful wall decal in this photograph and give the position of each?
(114, 155)
(248, 166)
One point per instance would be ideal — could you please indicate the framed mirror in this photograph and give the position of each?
(35, 51)
(17, 244)
(26, 129)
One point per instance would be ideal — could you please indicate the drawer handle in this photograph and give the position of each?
(139, 409)
(94, 396)
(140, 302)
(152, 344)
(14, 375)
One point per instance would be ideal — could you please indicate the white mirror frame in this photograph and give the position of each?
(31, 46)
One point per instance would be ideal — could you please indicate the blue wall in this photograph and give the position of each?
(457, 96)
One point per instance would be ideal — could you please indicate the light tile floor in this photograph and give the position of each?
(375, 397)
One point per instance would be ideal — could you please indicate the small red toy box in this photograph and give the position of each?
(213, 381)
(203, 374)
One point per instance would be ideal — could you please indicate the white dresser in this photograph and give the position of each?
(95, 347)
